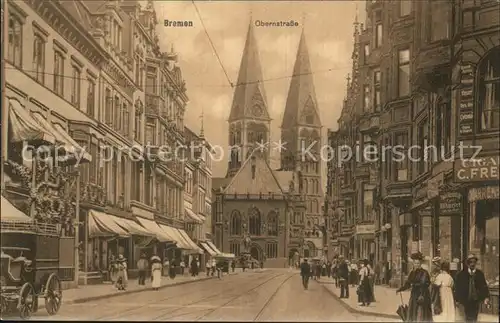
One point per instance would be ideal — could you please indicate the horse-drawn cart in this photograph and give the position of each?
(29, 265)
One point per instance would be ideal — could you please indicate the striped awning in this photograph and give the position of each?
(211, 245)
(25, 128)
(154, 228)
(103, 224)
(209, 250)
(12, 214)
(190, 242)
(72, 149)
(134, 228)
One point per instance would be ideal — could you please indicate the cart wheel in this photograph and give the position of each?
(26, 301)
(53, 295)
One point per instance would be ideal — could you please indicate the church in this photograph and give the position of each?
(279, 209)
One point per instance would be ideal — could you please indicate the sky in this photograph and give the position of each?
(329, 36)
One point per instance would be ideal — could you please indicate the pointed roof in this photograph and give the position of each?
(264, 181)
(301, 104)
(249, 89)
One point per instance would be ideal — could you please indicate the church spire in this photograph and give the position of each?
(249, 86)
(301, 105)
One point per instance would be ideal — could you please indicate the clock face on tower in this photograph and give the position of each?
(257, 110)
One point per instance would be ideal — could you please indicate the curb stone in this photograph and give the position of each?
(351, 309)
(134, 291)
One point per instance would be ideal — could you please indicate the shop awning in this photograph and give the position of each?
(154, 228)
(211, 245)
(108, 224)
(25, 128)
(134, 228)
(12, 214)
(208, 249)
(192, 217)
(174, 236)
(190, 242)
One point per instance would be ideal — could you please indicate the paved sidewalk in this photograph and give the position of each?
(386, 301)
(89, 293)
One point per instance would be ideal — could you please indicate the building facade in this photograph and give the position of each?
(430, 84)
(253, 199)
(96, 70)
(198, 189)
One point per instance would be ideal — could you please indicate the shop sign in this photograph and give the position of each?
(365, 229)
(484, 193)
(476, 170)
(450, 203)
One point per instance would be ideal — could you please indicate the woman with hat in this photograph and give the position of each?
(436, 268)
(156, 268)
(444, 306)
(121, 274)
(471, 289)
(419, 280)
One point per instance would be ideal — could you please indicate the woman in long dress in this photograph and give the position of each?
(419, 280)
(121, 275)
(156, 268)
(445, 282)
(364, 289)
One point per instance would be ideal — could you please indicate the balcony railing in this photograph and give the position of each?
(237, 196)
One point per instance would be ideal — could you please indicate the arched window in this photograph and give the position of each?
(489, 91)
(235, 223)
(272, 224)
(255, 222)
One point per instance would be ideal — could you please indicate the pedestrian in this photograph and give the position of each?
(436, 268)
(166, 267)
(173, 270)
(364, 288)
(371, 279)
(121, 275)
(208, 267)
(377, 270)
(354, 274)
(142, 267)
(318, 272)
(233, 265)
(383, 273)
(214, 266)
(343, 273)
(194, 267)
(444, 305)
(419, 280)
(335, 275)
(156, 268)
(328, 269)
(183, 266)
(305, 271)
(323, 269)
(253, 264)
(471, 289)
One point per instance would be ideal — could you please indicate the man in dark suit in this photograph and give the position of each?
(471, 289)
(343, 274)
(305, 272)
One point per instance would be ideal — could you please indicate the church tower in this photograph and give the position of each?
(249, 121)
(301, 131)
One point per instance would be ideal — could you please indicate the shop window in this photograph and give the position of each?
(489, 91)
(486, 238)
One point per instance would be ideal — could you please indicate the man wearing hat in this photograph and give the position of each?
(471, 289)
(305, 272)
(343, 273)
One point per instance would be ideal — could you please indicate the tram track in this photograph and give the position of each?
(125, 312)
(233, 299)
(222, 293)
